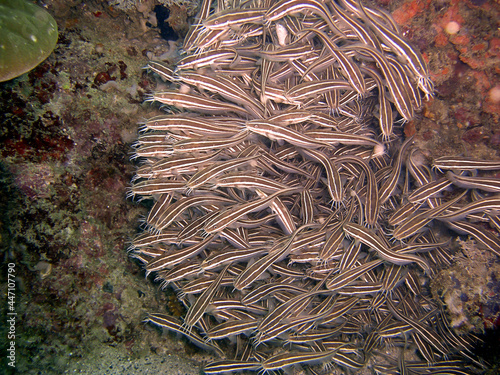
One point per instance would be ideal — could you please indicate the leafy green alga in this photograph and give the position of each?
(28, 35)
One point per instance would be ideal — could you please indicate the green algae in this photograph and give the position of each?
(28, 35)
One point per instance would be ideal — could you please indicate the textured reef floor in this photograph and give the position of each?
(65, 144)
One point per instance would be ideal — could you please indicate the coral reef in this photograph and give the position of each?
(65, 144)
(141, 5)
(67, 128)
(470, 289)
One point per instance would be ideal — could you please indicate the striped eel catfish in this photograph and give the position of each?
(288, 212)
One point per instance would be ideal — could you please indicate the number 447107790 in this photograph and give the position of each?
(11, 286)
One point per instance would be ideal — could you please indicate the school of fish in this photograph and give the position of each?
(295, 223)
